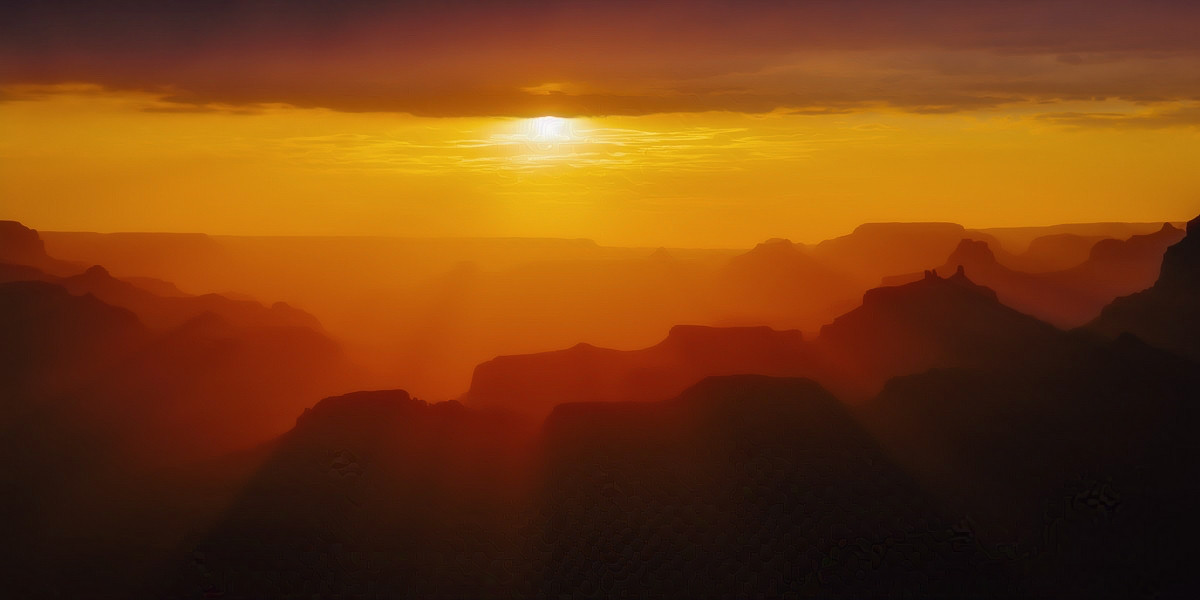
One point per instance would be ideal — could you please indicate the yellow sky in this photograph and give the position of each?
(82, 158)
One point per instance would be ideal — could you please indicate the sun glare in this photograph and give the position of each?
(550, 129)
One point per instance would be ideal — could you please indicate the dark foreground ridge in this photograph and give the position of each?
(741, 485)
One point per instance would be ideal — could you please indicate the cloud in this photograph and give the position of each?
(1161, 118)
(474, 58)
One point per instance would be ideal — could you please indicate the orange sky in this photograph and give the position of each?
(716, 126)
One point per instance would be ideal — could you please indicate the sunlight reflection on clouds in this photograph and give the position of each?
(685, 149)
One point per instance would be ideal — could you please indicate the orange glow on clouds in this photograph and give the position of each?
(82, 157)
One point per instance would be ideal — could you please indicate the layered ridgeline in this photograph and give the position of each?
(1043, 463)
(934, 322)
(971, 311)
(1069, 297)
(54, 340)
(162, 372)
(159, 304)
(535, 383)
(1001, 456)
(422, 313)
(104, 382)
(1061, 480)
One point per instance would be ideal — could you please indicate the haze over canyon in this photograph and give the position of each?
(599, 299)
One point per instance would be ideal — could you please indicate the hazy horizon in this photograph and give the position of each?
(647, 246)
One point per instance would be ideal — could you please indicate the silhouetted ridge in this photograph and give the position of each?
(367, 407)
(165, 307)
(53, 339)
(1181, 262)
(23, 246)
(742, 486)
(159, 304)
(773, 254)
(1167, 314)
(932, 287)
(1137, 247)
(97, 280)
(971, 252)
(535, 383)
(1080, 461)
(932, 322)
(1070, 297)
(878, 250)
(974, 254)
(165, 312)
(20, 244)
(661, 254)
(775, 246)
(425, 492)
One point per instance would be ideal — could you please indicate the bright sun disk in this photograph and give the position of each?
(550, 129)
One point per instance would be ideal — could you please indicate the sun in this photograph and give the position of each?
(543, 138)
(550, 130)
